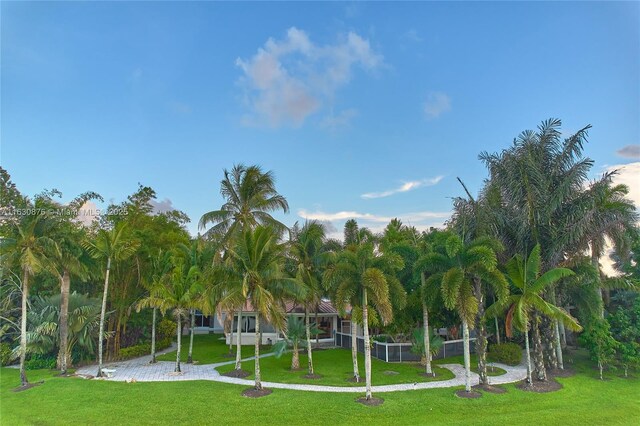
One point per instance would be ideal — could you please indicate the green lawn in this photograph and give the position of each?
(61, 401)
(207, 349)
(335, 366)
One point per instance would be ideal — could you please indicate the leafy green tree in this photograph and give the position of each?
(521, 306)
(625, 329)
(111, 246)
(602, 346)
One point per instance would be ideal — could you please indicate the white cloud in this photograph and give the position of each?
(163, 206)
(630, 151)
(628, 174)
(87, 213)
(376, 223)
(437, 103)
(405, 187)
(288, 80)
(412, 35)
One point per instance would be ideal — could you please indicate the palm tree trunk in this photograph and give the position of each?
(103, 313)
(427, 336)
(295, 359)
(179, 338)
(193, 323)
(153, 337)
(308, 327)
(239, 342)
(367, 347)
(23, 327)
(316, 318)
(258, 385)
(481, 341)
(63, 353)
(497, 330)
(528, 353)
(467, 356)
(538, 352)
(556, 333)
(563, 335)
(354, 349)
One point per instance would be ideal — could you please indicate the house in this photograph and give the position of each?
(325, 314)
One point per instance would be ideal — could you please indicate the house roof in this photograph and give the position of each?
(324, 307)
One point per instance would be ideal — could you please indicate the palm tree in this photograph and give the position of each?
(458, 265)
(160, 266)
(297, 332)
(113, 246)
(250, 195)
(29, 247)
(363, 277)
(179, 292)
(256, 266)
(310, 257)
(523, 306)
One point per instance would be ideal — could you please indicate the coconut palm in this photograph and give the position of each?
(297, 333)
(526, 303)
(255, 264)
(113, 246)
(28, 247)
(250, 195)
(362, 277)
(309, 256)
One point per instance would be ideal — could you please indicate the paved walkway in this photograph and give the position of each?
(140, 370)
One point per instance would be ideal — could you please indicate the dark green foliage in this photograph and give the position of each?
(625, 328)
(40, 361)
(505, 353)
(597, 339)
(6, 354)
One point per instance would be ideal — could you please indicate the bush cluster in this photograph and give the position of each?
(38, 361)
(505, 353)
(6, 354)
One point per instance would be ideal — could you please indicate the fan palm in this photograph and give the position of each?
(250, 195)
(297, 332)
(522, 306)
(113, 246)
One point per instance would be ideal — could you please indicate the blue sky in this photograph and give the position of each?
(361, 110)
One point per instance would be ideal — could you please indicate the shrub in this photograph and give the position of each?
(505, 353)
(38, 361)
(135, 351)
(6, 354)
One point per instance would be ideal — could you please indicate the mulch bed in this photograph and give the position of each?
(353, 380)
(469, 395)
(390, 373)
(551, 385)
(238, 374)
(228, 355)
(27, 386)
(489, 388)
(255, 393)
(313, 376)
(372, 402)
(423, 374)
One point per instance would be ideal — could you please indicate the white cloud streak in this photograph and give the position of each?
(288, 80)
(405, 187)
(630, 151)
(437, 103)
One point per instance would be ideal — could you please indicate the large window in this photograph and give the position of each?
(203, 320)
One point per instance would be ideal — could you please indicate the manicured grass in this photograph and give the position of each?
(62, 401)
(207, 349)
(335, 366)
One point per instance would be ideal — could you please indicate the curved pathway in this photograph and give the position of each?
(140, 370)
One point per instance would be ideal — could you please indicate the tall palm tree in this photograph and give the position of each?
(28, 247)
(310, 257)
(523, 306)
(113, 246)
(363, 277)
(250, 195)
(160, 267)
(179, 292)
(458, 265)
(256, 264)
